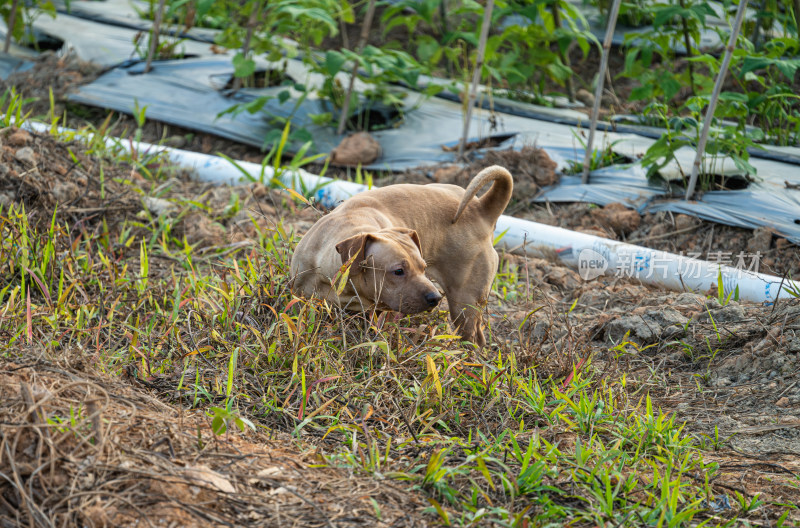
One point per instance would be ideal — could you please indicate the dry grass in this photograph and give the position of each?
(154, 378)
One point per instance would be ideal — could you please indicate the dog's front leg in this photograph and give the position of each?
(468, 322)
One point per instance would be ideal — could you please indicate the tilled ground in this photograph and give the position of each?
(133, 460)
(731, 372)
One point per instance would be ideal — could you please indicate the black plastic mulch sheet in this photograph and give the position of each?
(190, 93)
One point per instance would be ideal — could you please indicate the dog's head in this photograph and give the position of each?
(388, 269)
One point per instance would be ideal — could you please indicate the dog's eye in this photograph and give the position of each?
(399, 272)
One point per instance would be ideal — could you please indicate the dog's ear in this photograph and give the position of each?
(413, 235)
(355, 245)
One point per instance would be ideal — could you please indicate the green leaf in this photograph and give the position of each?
(242, 66)
(642, 92)
(334, 61)
(733, 96)
(671, 87)
(427, 48)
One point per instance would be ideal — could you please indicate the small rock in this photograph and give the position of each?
(594, 231)
(563, 278)
(585, 96)
(65, 191)
(6, 199)
(731, 313)
(666, 317)
(207, 477)
(137, 178)
(177, 142)
(648, 327)
(722, 382)
(617, 217)
(358, 149)
(793, 344)
(20, 138)
(760, 241)
(26, 155)
(712, 303)
(202, 231)
(660, 230)
(158, 206)
(683, 221)
(690, 299)
(447, 174)
(270, 472)
(259, 190)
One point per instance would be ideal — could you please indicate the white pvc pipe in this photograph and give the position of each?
(593, 256)
(214, 169)
(590, 255)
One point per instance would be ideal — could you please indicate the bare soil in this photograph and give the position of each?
(137, 461)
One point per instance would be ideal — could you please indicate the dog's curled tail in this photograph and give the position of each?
(494, 202)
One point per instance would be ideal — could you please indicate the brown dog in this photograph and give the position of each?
(395, 235)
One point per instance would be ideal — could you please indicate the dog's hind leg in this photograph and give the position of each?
(467, 295)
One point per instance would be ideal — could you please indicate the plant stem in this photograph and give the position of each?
(476, 75)
(757, 26)
(362, 41)
(554, 8)
(688, 43)
(712, 103)
(252, 22)
(796, 5)
(12, 21)
(445, 30)
(598, 91)
(156, 31)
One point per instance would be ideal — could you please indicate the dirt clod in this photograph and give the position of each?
(648, 327)
(733, 312)
(65, 191)
(20, 138)
(178, 142)
(26, 155)
(203, 232)
(683, 222)
(530, 167)
(761, 240)
(617, 217)
(585, 96)
(358, 149)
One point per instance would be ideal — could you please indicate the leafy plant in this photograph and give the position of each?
(724, 299)
(770, 101)
(603, 157)
(223, 419)
(19, 16)
(651, 58)
(726, 140)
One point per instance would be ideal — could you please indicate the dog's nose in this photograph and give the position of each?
(433, 298)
